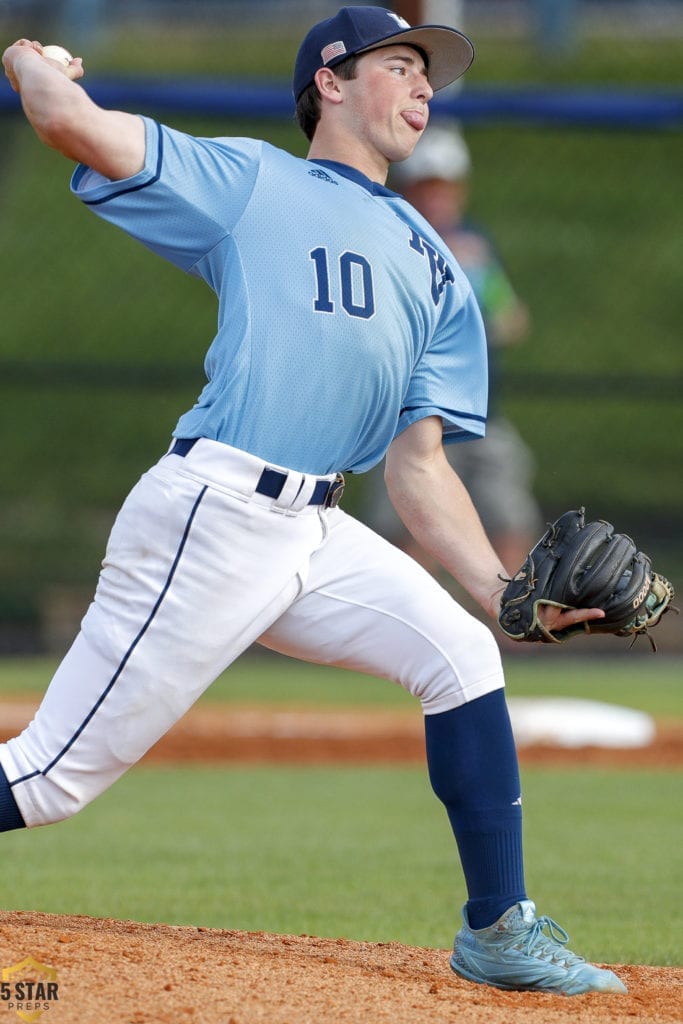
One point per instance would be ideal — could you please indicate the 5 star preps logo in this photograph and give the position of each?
(29, 989)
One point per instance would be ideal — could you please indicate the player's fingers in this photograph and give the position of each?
(10, 53)
(75, 69)
(557, 619)
(20, 42)
(573, 615)
(8, 61)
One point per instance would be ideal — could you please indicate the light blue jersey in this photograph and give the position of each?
(342, 316)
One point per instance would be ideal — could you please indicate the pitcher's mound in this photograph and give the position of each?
(122, 972)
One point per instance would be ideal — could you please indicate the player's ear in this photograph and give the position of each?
(328, 84)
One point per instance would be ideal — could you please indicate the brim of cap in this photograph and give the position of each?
(450, 52)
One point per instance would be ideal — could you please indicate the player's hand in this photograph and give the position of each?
(15, 53)
(556, 618)
(559, 618)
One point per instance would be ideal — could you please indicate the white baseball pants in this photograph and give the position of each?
(198, 567)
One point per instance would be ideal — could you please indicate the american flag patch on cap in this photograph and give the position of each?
(332, 50)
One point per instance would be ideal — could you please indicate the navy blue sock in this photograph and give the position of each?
(474, 772)
(10, 815)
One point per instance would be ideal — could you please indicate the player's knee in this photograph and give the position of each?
(465, 665)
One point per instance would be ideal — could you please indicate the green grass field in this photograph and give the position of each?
(364, 852)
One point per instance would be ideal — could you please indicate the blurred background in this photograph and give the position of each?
(573, 118)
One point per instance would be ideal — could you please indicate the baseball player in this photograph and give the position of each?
(345, 331)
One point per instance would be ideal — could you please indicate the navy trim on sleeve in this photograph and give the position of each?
(140, 185)
(458, 414)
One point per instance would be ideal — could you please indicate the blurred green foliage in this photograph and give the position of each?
(225, 48)
(102, 343)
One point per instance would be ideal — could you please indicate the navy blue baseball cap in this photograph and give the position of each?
(357, 29)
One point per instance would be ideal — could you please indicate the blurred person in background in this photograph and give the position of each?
(498, 469)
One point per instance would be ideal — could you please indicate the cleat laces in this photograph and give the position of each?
(550, 947)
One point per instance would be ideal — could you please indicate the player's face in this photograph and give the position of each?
(388, 101)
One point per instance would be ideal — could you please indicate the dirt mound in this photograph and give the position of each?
(122, 972)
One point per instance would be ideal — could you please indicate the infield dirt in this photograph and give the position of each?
(120, 972)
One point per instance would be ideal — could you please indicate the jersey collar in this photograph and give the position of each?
(358, 177)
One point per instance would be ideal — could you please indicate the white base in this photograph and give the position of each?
(570, 722)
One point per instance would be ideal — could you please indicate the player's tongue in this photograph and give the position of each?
(415, 119)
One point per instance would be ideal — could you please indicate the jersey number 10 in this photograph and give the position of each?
(355, 284)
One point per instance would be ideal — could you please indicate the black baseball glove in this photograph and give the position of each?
(584, 565)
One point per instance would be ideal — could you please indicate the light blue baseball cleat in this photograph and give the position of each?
(517, 953)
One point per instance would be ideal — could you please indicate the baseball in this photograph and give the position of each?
(58, 53)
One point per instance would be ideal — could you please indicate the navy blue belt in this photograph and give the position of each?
(327, 493)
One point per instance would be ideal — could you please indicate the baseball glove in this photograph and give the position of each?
(584, 565)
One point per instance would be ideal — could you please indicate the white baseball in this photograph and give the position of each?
(58, 53)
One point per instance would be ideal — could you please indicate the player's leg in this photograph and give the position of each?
(191, 577)
(367, 606)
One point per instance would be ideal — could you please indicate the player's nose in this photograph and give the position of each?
(422, 90)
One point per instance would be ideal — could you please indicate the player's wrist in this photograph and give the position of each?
(489, 597)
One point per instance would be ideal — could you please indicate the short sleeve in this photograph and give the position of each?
(450, 379)
(189, 195)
